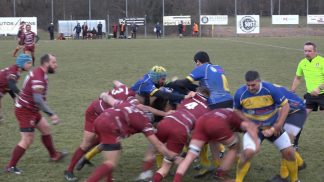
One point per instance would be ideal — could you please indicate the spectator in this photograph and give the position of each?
(115, 29)
(122, 30)
(77, 29)
(157, 30)
(51, 31)
(134, 30)
(195, 30)
(84, 30)
(99, 34)
(180, 29)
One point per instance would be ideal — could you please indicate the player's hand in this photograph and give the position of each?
(169, 112)
(316, 92)
(268, 132)
(190, 95)
(55, 119)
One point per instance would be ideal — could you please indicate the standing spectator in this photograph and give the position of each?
(10, 75)
(30, 39)
(122, 30)
(77, 29)
(32, 99)
(134, 30)
(51, 31)
(99, 28)
(20, 38)
(195, 29)
(115, 29)
(84, 30)
(180, 29)
(157, 29)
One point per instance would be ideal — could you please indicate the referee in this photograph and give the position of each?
(312, 68)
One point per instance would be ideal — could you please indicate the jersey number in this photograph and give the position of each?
(191, 105)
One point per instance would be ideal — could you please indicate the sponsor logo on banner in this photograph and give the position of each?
(285, 19)
(130, 21)
(175, 20)
(10, 25)
(213, 19)
(248, 24)
(315, 19)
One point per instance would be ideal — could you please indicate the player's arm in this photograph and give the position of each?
(13, 87)
(283, 113)
(167, 95)
(184, 83)
(161, 147)
(295, 83)
(42, 105)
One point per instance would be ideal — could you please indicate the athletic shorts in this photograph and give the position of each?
(29, 48)
(314, 102)
(212, 129)
(173, 134)
(106, 129)
(27, 118)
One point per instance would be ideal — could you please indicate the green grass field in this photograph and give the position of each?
(86, 68)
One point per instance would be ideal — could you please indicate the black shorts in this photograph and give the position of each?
(297, 119)
(225, 104)
(314, 102)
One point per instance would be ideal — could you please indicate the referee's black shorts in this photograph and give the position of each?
(314, 102)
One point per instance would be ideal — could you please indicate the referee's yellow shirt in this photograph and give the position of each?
(313, 72)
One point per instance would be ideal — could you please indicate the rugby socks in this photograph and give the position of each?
(241, 171)
(284, 172)
(75, 158)
(33, 58)
(300, 160)
(16, 154)
(48, 143)
(94, 151)
(297, 139)
(100, 172)
(148, 165)
(177, 177)
(293, 170)
(204, 161)
(158, 160)
(157, 177)
(14, 54)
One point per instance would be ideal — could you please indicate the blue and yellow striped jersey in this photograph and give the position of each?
(212, 77)
(144, 86)
(261, 107)
(295, 102)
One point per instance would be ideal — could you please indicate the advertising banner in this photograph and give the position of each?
(315, 19)
(10, 25)
(285, 19)
(213, 19)
(175, 20)
(247, 24)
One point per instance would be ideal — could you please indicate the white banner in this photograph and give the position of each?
(315, 19)
(130, 21)
(10, 25)
(285, 19)
(175, 20)
(213, 19)
(66, 26)
(247, 24)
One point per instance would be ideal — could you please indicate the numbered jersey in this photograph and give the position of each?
(189, 110)
(6, 74)
(35, 82)
(121, 93)
(128, 120)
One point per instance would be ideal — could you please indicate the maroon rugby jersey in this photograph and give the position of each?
(9, 73)
(189, 110)
(21, 32)
(128, 120)
(120, 93)
(29, 38)
(35, 82)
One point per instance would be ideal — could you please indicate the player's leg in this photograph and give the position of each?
(148, 163)
(194, 150)
(89, 138)
(283, 144)
(111, 154)
(1, 114)
(47, 140)
(244, 162)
